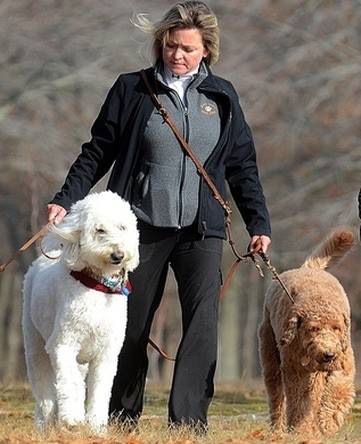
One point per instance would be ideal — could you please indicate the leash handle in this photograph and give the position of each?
(24, 247)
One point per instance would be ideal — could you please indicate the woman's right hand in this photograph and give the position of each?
(56, 213)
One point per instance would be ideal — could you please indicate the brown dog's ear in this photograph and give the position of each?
(291, 330)
(345, 338)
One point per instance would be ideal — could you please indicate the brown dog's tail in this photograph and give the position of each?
(332, 250)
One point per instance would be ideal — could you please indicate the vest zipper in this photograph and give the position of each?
(185, 119)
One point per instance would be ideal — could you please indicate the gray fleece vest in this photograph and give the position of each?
(166, 189)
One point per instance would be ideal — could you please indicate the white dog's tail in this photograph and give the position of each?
(332, 250)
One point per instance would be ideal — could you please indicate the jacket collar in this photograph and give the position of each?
(162, 74)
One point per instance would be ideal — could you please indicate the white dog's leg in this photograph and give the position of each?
(42, 383)
(70, 385)
(99, 381)
(40, 372)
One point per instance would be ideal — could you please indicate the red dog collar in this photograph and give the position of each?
(107, 286)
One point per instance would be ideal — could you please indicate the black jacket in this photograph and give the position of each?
(117, 137)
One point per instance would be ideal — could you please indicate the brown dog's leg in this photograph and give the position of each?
(270, 361)
(303, 400)
(338, 397)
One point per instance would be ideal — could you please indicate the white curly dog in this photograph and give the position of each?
(75, 310)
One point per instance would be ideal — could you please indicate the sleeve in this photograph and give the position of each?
(243, 177)
(97, 155)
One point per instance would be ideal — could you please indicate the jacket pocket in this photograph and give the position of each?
(141, 183)
(156, 194)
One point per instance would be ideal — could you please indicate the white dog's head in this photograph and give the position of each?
(99, 233)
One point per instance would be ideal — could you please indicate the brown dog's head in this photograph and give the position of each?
(319, 321)
(320, 340)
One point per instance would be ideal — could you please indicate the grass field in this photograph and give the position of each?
(235, 417)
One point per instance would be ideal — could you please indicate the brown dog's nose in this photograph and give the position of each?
(328, 356)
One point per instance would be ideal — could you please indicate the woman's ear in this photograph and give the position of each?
(291, 329)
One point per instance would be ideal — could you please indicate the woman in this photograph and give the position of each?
(180, 222)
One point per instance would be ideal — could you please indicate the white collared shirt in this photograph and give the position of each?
(179, 83)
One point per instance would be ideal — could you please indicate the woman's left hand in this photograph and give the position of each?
(259, 243)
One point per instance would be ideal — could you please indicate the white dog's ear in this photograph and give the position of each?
(133, 257)
(134, 261)
(68, 230)
(291, 330)
(64, 238)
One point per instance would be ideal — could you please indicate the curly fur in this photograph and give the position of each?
(73, 334)
(305, 347)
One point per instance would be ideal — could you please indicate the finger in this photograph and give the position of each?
(60, 216)
(256, 245)
(52, 212)
(56, 213)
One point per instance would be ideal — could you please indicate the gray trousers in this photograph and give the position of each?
(196, 264)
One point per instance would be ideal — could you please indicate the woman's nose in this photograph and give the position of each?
(177, 53)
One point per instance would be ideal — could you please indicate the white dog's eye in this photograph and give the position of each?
(121, 227)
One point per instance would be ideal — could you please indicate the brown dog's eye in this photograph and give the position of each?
(315, 329)
(336, 328)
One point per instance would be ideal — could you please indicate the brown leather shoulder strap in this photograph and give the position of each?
(201, 170)
(186, 147)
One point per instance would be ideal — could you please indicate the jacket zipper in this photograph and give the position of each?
(185, 119)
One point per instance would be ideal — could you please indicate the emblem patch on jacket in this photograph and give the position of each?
(209, 109)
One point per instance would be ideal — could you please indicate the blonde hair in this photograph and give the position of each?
(189, 14)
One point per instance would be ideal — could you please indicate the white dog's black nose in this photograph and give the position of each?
(116, 257)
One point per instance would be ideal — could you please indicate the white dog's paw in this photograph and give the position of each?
(98, 425)
(71, 420)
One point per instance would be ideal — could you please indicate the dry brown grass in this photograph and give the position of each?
(236, 417)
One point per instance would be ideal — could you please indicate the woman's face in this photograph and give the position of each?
(184, 50)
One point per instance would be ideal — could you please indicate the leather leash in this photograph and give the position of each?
(24, 247)
(217, 196)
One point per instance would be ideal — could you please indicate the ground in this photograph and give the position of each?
(236, 416)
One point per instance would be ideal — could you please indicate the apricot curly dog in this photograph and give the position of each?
(305, 346)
